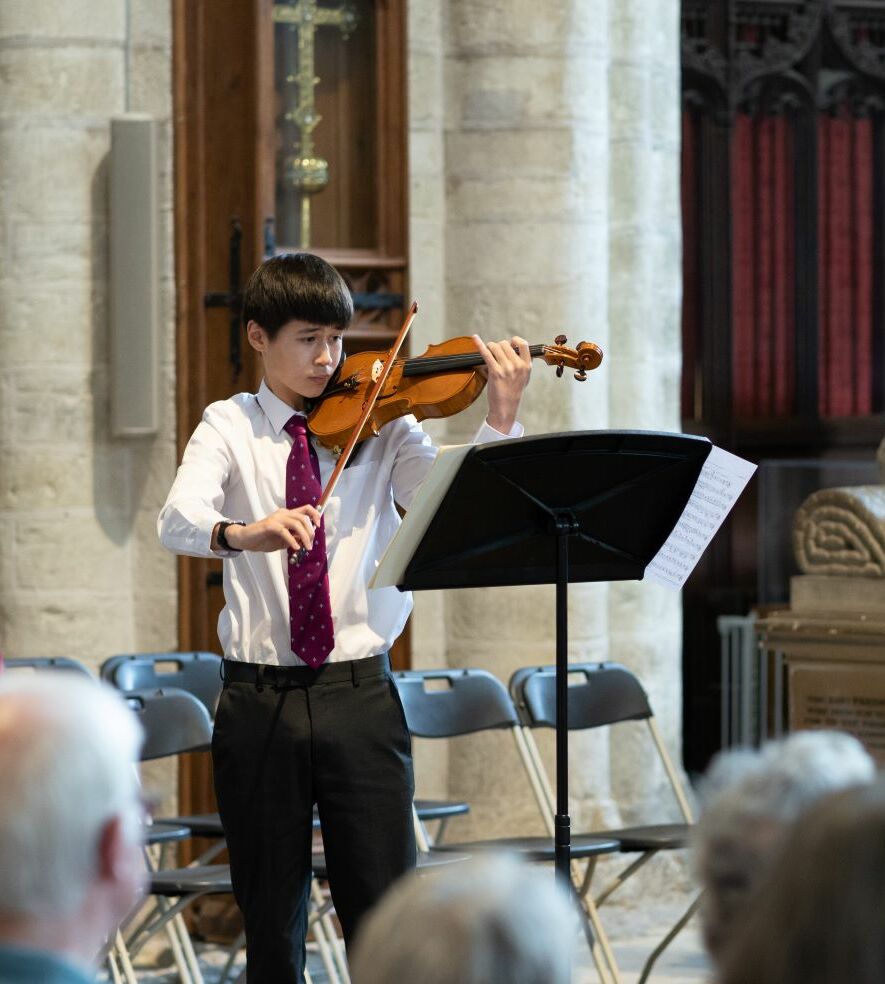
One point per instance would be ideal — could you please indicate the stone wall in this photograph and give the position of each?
(81, 572)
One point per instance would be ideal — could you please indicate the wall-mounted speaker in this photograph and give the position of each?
(134, 276)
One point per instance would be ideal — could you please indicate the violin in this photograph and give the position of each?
(443, 381)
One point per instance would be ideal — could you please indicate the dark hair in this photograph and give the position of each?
(296, 287)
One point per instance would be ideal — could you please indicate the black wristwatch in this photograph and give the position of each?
(221, 538)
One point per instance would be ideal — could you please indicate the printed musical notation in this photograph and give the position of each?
(722, 479)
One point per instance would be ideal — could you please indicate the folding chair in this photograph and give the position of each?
(46, 663)
(174, 722)
(199, 673)
(600, 695)
(462, 702)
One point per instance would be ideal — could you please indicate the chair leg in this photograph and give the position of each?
(668, 939)
(232, 952)
(119, 948)
(187, 946)
(335, 944)
(324, 948)
(597, 940)
(622, 876)
(113, 970)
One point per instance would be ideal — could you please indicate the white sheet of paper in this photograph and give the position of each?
(722, 479)
(390, 570)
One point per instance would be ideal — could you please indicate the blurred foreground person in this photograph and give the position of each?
(750, 800)
(70, 822)
(818, 917)
(489, 921)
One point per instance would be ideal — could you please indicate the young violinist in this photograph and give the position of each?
(309, 713)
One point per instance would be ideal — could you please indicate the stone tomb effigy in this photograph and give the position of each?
(831, 640)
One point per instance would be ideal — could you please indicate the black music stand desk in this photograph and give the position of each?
(582, 506)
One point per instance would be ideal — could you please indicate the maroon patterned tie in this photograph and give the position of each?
(310, 612)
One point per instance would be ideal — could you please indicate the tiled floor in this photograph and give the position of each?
(634, 932)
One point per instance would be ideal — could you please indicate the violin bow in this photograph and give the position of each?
(368, 407)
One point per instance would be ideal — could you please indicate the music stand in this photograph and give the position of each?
(582, 506)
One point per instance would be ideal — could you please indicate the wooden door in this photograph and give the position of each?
(230, 154)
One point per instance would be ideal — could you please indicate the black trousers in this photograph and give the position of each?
(286, 738)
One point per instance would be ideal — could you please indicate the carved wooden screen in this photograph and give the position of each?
(783, 185)
(783, 190)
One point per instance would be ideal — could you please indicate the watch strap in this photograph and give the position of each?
(221, 537)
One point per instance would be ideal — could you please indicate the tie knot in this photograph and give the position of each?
(296, 425)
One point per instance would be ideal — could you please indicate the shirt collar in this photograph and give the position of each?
(276, 410)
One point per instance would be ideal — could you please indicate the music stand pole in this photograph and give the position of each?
(565, 525)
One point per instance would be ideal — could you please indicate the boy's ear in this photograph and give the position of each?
(256, 336)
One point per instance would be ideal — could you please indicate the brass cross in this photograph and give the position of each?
(308, 173)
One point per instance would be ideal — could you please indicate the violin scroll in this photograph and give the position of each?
(586, 357)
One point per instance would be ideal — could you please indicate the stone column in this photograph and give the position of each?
(527, 254)
(81, 573)
(427, 261)
(645, 293)
(561, 215)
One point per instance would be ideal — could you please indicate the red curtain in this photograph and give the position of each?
(764, 328)
(845, 252)
(690, 280)
(763, 279)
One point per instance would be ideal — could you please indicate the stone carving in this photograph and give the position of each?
(842, 531)
(859, 35)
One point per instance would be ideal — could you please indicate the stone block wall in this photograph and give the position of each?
(81, 572)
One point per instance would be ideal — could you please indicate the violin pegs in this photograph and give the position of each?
(559, 371)
(560, 340)
(580, 375)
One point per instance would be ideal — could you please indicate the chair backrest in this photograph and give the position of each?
(599, 694)
(46, 663)
(445, 703)
(174, 722)
(198, 673)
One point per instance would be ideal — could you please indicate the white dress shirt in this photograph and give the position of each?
(234, 468)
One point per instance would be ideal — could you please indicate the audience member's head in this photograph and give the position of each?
(749, 801)
(818, 916)
(489, 921)
(70, 817)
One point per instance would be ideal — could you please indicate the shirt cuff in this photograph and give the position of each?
(486, 434)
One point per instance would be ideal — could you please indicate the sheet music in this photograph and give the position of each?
(722, 479)
(392, 566)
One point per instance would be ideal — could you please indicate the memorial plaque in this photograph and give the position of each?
(840, 697)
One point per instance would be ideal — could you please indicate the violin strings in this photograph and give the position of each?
(424, 365)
